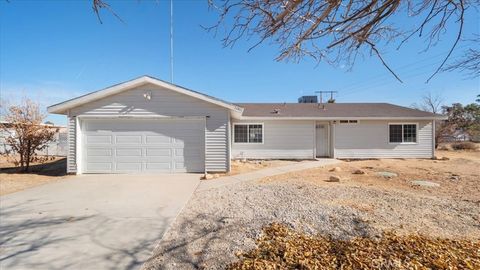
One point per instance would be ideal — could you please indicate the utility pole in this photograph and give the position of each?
(171, 41)
(326, 92)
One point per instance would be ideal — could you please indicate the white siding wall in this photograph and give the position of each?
(370, 139)
(72, 151)
(169, 103)
(282, 139)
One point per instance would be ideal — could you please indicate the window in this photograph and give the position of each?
(348, 121)
(403, 133)
(248, 133)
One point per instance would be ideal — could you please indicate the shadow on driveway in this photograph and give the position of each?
(90, 222)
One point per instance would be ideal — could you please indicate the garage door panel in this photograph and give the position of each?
(182, 152)
(128, 166)
(98, 139)
(99, 152)
(99, 166)
(153, 139)
(128, 152)
(126, 146)
(184, 167)
(128, 139)
(158, 166)
(158, 152)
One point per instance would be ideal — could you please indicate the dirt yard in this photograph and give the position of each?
(238, 167)
(12, 181)
(222, 222)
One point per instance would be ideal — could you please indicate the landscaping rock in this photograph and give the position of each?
(358, 171)
(207, 176)
(387, 174)
(333, 178)
(336, 169)
(455, 177)
(424, 183)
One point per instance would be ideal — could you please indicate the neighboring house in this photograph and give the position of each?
(56, 147)
(459, 136)
(148, 125)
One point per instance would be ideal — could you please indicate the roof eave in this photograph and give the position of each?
(340, 118)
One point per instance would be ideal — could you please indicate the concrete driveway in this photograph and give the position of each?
(90, 221)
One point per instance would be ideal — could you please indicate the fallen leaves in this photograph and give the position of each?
(280, 247)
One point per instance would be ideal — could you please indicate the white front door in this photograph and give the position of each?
(322, 140)
(143, 145)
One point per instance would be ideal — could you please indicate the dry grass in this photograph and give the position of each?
(12, 181)
(464, 146)
(280, 247)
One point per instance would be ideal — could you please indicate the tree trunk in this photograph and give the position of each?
(22, 161)
(28, 155)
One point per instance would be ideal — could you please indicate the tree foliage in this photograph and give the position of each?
(464, 118)
(25, 133)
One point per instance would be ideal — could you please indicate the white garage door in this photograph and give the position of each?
(143, 146)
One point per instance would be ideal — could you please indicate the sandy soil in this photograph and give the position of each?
(12, 181)
(238, 167)
(218, 223)
(459, 177)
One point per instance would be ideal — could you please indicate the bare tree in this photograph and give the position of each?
(430, 103)
(25, 133)
(469, 62)
(434, 103)
(337, 31)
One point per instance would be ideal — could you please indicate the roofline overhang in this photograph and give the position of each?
(64, 107)
(341, 118)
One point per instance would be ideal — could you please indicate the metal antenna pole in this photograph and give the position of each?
(171, 41)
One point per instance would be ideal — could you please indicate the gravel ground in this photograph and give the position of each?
(218, 223)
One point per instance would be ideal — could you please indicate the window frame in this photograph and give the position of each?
(402, 124)
(248, 133)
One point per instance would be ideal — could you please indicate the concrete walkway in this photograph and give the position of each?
(234, 179)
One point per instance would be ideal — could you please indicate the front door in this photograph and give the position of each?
(322, 140)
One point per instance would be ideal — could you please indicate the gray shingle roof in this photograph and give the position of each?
(332, 110)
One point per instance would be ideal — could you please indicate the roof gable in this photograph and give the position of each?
(63, 107)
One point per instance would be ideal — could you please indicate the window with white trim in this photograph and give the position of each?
(402, 133)
(248, 133)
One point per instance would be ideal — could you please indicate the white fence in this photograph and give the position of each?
(57, 147)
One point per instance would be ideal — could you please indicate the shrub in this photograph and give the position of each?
(464, 146)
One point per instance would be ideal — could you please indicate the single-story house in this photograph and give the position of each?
(147, 125)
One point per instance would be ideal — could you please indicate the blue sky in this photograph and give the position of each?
(51, 51)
